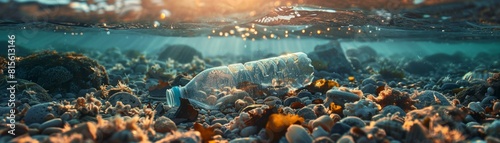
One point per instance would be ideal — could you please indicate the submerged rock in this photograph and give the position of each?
(179, 53)
(126, 98)
(28, 90)
(420, 67)
(62, 73)
(298, 134)
(430, 97)
(339, 97)
(37, 113)
(330, 57)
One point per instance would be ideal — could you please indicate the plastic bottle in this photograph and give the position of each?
(295, 68)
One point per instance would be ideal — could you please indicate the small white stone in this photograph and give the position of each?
(297, 134)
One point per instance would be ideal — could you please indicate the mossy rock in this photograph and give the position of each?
(25, 89)
(62, 73)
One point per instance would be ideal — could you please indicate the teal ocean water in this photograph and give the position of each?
(361, 71)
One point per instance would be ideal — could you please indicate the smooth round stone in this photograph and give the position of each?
(272, 101)
(19, 129)
(340, 128)
(37, 113)
(368, 81)
(247, 131)
(428, 98)
(220, 121)
(34, 125)
(393, 109)
(369, 88)
(164, 125)
(306, 113)
(298, 134)
(319, 132)
(303, 94)
(353, 121)
(323, 139)
(126, 98)
(51, 123)
(52, 130)
(487, 101)
(73, 122)
(339, 97)
(33, 132)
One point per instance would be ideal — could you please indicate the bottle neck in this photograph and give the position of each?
(174, 96)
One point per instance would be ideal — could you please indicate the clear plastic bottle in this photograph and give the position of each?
(295, 68)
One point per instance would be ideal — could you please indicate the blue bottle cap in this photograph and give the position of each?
(174, 96)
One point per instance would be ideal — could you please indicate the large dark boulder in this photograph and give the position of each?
(62, 73)
(179, 53)
(330, 57)
(419, 67)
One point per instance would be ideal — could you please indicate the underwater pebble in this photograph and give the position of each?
(496, 107)
(475, 106)
(278, 91)
(339, 97)
(73, 121)
(346, 139)
(18, 130)
(393, 109)
(52, 130)
(126, 98)
(37, 113)
(449, 86)
(488, 101)
(319, 109)
(340, 128)
(323, 139)
(303, 94)
(220, 121)
(245, 140)
(247, 131)
(353, 121)
(391, 127)
(369, 88)
(240, 104)
(33, 132)
(260, 101)
(306, 113)
(325, 121)
(363, 108)
(417, 133)
(123, 136)
(34, 125)
(368, 81)
(319, 132)
(297, 134)
(272, 101)
(51, 123)
(164, 125)
(493, 129)
(428, 98)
